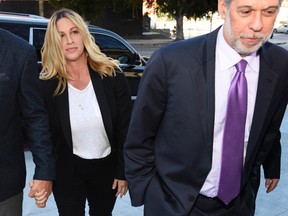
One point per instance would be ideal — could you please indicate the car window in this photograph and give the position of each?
(37, 36)
(113, 48)
(20, 30)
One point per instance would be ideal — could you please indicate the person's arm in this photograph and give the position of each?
(124, 106)
(146, 117)
(272, 166)
(269, 154)
(272, 162)
(36, 125)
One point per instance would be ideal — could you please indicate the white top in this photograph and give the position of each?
(89, 137)
(226, 58)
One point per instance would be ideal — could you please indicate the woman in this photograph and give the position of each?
(89, 106)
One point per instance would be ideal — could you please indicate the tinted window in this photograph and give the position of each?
(20, 30)
(38, 35)
(114, 48)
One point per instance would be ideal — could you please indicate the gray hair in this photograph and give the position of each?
(228, 2)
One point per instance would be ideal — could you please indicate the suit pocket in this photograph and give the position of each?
(158, 190)
(160, 201)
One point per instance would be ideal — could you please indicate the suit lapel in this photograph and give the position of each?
(210, 70)
(62, 103)
(98, 86)
(266, 85)
(206, 58)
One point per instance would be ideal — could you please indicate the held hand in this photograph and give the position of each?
(271, 184)
(40, 190)
(122, 186)
(41, 198)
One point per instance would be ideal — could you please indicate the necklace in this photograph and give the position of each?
(80, 107)
(79, 98)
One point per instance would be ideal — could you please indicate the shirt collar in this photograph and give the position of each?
(229, 57)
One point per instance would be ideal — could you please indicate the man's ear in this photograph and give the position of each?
(222, 8)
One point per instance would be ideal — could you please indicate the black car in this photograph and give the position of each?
(32, 28)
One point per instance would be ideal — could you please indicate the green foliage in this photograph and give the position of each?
(119, 5)
(177, 9)
(133, 3)
(90, 10)
(188, 8)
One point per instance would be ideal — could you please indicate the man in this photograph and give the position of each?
(176, 150)
(22, 116)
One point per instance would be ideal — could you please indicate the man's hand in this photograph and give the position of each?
(40, 190)
(271, 184)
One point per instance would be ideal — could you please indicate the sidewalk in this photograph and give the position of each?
(277, 39)
(150, 42)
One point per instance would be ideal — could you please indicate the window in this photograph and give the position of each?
(114, 48)
(20, 30)
(37, 39)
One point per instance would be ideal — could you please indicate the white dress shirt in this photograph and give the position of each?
(226, 58)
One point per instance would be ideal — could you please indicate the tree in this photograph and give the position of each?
(93, 10)
(41, 7)
(177, 9)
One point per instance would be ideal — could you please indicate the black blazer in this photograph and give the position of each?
(21, 104)
(114, 100)
(168, 152)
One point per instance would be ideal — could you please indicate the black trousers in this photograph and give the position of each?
(92, 182)
(205, 206)
(12, 206)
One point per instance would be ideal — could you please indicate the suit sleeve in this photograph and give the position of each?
(272, 163)
(146, 117)
(272, 160)
(124, 106)
(35, 118)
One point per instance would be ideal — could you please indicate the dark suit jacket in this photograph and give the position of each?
(115, 105)
(168, 152)
(21, 105)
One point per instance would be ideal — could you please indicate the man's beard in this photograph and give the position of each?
(236, 43)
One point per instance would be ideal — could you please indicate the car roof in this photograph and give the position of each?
(22, 17)
(5, 13)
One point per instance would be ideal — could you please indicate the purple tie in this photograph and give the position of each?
(233, 137)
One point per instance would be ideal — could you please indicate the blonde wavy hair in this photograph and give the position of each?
(53, 60)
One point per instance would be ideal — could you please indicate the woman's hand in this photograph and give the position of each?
(122, 187)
